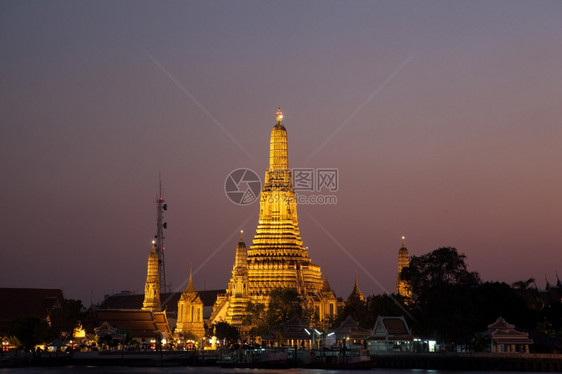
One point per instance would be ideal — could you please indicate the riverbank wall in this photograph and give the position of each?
(471, 361)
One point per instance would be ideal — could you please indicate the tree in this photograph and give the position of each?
(385, 305)
(441, 292)
(523, 284)
(495, 299)
(527, 290)
(66, 317)
(552, 315)
(31, 331)
(442, 267)
(255, 317)
(284, 304)
(227, 332)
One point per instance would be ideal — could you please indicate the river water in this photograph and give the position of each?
(217, 370)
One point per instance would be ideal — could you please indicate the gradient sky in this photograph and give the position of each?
(444, 119)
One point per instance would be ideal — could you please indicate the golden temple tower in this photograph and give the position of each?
(231, 306)
(152, 285)
(402, 287)
(277, 257)
(238, 286)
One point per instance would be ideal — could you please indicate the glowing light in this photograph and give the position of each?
(154, 242)
(279, 115)
(79, 332)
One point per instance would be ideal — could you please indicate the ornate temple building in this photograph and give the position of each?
(356, 295)
(190, 314)
(277, 257)
(231, 305)
(152, 284)
(402, 287)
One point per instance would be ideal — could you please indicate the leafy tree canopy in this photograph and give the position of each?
(31, 331)
(442, 268)
(284, 304)
(66, 317)
(225, 331)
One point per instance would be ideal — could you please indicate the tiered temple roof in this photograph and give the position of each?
(356, 295)
(277, 257)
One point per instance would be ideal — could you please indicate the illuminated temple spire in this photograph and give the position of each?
(241, 260)
(190, 313)
(402, 287)
(278, 155)
(152, 285)
(231, 307)
(277, 257)
(190, 287)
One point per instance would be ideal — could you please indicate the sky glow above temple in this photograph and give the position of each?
(441, 118)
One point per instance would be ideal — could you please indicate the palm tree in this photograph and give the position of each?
(523, 285)
(529, 292)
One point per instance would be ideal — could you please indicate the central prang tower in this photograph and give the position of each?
(277, 257)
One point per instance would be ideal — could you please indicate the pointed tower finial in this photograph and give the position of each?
(241, 235)
(326, 285)
(356, 294)
(279, 115)
(403, 241)
(190, 287)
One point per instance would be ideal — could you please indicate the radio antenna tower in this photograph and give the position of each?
(161, 206)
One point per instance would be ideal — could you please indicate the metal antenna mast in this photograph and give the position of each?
(161, 206)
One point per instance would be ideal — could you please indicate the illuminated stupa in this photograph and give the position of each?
(231, 306)
(152, 284)
(277, 257)
(402, 287)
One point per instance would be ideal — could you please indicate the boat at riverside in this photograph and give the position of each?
(254, 358)
(283, 357)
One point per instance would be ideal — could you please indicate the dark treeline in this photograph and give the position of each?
(448, 303)
(452, 304)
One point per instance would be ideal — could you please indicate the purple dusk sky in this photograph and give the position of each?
(444, 119)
